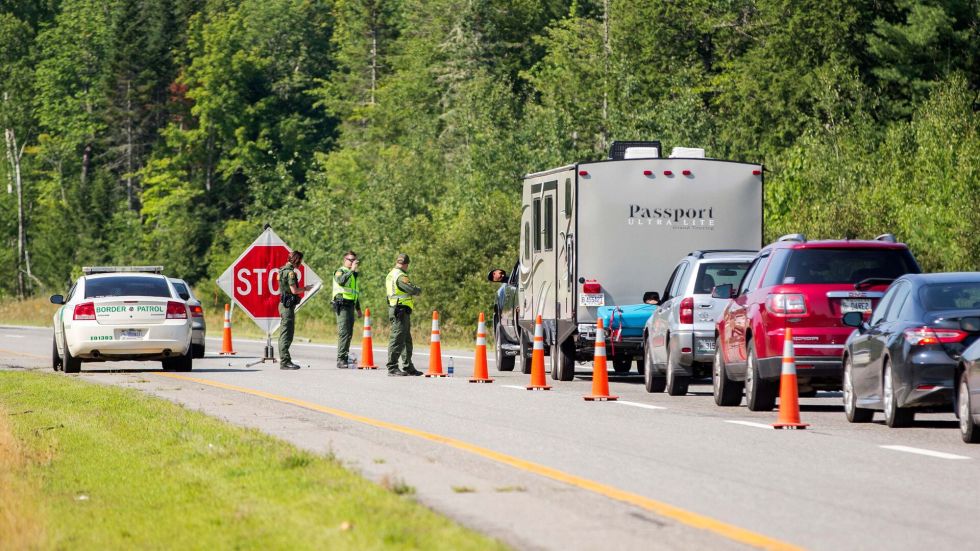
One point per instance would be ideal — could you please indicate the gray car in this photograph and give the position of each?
(679, 338)
(198, 327)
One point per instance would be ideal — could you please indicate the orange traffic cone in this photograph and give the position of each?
(435, 350)
(480, 374)
(537, 359)
(789, 400)
(226, 347)
(367, 346)
(600, 375)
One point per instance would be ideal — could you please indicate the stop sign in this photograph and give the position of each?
(252, 281)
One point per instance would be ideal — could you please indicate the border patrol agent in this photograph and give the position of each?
(346, 303)
(400, 291)
(289, 297)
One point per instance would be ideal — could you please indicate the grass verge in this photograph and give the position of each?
(91, 467)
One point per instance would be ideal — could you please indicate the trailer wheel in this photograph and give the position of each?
(622, 364)
(563, 361)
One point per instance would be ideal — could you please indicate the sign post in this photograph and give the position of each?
(252, 282)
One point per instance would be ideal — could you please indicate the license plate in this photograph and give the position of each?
(705, 345)
(597, 299)
(862, 305)
(130, 334)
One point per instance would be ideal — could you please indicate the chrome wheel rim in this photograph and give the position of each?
(670, 371)
(750, 377)
(716, 373)
(647, 372)
(889, 397)
(848, 390)
(966, 421)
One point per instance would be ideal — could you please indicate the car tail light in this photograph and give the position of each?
(924, 336)
(176, 310)
(196, 311)
(687, 310)
(786, 304)
(591, 287)
(84, 311)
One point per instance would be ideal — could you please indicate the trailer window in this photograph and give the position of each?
(537, 225)
(527, 241)
(549, 223)
(568, 197)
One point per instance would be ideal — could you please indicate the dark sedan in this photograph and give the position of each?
(968, 396)
(905, 358)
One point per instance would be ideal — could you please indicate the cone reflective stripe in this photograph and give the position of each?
(435, 350)
(367, 344)
(789, 400)
(480, 374)
(600, 374)
(226, 346)
(537, 359)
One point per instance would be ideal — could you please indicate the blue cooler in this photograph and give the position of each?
(628, 320)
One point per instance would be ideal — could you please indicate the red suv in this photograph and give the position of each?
(807, 286)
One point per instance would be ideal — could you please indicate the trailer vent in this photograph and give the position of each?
(687, 153)
(634, 150)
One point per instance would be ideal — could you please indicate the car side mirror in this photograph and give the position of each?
(497, 275)
(853, 319)
(57, 299)
(722, 291)
(970, 324)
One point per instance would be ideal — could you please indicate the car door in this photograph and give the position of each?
(663, 317)
(738, 315)
(862, 376)
(59, 327)
(508, 305)
(881, 335)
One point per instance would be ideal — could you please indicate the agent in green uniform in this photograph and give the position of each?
(289, 297)
(400, 291)
(346, 304)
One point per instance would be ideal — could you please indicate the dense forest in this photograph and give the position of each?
(170, 131)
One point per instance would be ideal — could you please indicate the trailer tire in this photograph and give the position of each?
(504, 362)
(622, 364)
(563, 361)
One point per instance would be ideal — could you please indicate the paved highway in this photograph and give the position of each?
(547, 470)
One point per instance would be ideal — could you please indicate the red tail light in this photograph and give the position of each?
(84, 311)
(176, 310)
(687, 310)
(591, 287)
(786, 304)
(924, 336)
(196, 311)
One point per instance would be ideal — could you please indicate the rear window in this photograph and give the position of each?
(846, 265)
(950, 296)
(713, 274)
(181, 290)
(123, 286)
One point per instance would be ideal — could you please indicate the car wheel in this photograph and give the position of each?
(71, 364)
(895, 416)
(622, 364)
(56, 362)
(563, 361)
(504, 362)
(197, 350)
(653, 381)
(525, 354)
(727, 392)
(968, 429)
(676, 383)
(851, 410)
(760, 395)
(184, 363)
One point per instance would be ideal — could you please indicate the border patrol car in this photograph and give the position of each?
(116, 313)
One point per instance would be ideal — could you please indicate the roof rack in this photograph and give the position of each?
(887, 238)
(701, 253)
(793, 237)
(89, 270)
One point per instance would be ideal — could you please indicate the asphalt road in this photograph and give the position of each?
(547, 470)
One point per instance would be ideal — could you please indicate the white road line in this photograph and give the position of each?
(639, 405)
(920, 451)
(513, 386)
(749, 424)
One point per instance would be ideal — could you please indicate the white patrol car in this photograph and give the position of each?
(115, 313)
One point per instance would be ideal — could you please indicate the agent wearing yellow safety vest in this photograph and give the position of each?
(346, 303)
(400, 291)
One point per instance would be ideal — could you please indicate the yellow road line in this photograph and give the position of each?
(664, 509)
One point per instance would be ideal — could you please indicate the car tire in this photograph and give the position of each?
(728, 392)
(677, 384)
(56, 362)
(760, 395)
(563, 361)
(179, 363)
(525, 354)
(504, 362)
(651, 379)
(853, 413)
(895, 417)
(622, 364)
(969, 430)
(197, 350)
(71, 364)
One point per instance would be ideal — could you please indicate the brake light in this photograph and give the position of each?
(687, 310)
(924, 336)
(591, 287)
(786, 304)
(84, 311)
(176, 310)
(197, 311)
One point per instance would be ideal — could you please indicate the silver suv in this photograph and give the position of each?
(679, 338)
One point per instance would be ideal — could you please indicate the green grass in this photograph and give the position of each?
(104, 467)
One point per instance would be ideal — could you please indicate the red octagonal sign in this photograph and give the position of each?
(253, 279)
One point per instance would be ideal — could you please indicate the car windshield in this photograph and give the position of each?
(846, 265)
(181, 290)
(951, 296)
(712, 274)
(126, 286)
